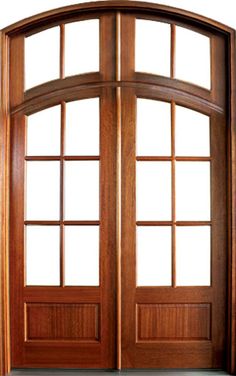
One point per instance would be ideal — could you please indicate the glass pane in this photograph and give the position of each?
(82, 190)
(153, 256)
(82, 127)
(81, 47)
(153, 191)
(192, 133)
(43, 132)
(153, 128)
(193, 191)
(42, 190)
(82, 255)
(42, 255)
(193, 57)
(152, 57)
(42, 57)
(193, 256)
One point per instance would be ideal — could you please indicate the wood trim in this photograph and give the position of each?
(128, 203)
(173, 187)
(118, 195)
(4, 208)
(172, 52)
(62, 174)
(231, 342)
(62, 51)
(58, 15)
(54, 91)
(55, 15)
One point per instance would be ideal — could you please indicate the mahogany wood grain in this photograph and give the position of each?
(173, 169)
(108, 85)
(65, 223)
(62, 174)
(118, 198)
(62, 51)
(231, 153)
(55, 15)
(175, 352)
(4, 207)
(58, 322)
(72, 353)
(16, 230)
(128, 238)
(51, 93)
(23, 354)
(209, 352)
(63, 157)
(172, 51)
(158, 322)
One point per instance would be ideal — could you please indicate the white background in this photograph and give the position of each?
(221, 10)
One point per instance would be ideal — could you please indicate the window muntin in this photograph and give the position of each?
(72, 50)
(62, 199)
(169, 50)
(173, 193)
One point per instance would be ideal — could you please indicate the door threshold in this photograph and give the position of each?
(105, 372)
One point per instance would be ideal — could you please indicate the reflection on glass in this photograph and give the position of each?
(193, 191)
(42, 255)
(153, 256)
(42, 57)
(42, 190)
(193, 61)
(82, 190)
(82, 127)
(153, 128)
(43, 132)
(192, 133)
(82, 255)
(81, 47)
(193, 256)
(153, 191)
(152, 57)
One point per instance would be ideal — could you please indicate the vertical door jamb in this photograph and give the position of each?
(231, 334)
(4, 206)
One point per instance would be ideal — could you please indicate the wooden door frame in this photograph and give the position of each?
(53, 17)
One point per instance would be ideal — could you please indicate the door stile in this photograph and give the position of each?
(17, 192)
(128, 225)
(118, 191)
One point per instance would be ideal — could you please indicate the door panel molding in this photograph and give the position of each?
(219, 103)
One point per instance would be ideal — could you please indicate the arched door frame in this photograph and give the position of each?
(52, 90)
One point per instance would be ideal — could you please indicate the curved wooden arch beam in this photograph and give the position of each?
(49, 18)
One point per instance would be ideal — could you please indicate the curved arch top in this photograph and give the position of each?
(217, 32)
(62, 13)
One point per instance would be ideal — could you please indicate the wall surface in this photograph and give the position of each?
(221, 10)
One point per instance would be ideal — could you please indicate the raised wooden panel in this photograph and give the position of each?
(62, 321)
(173, 322)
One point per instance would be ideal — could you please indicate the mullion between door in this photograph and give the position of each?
(62, 240)
(173, 196)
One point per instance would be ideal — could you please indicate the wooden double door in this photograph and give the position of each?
(118, 220)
